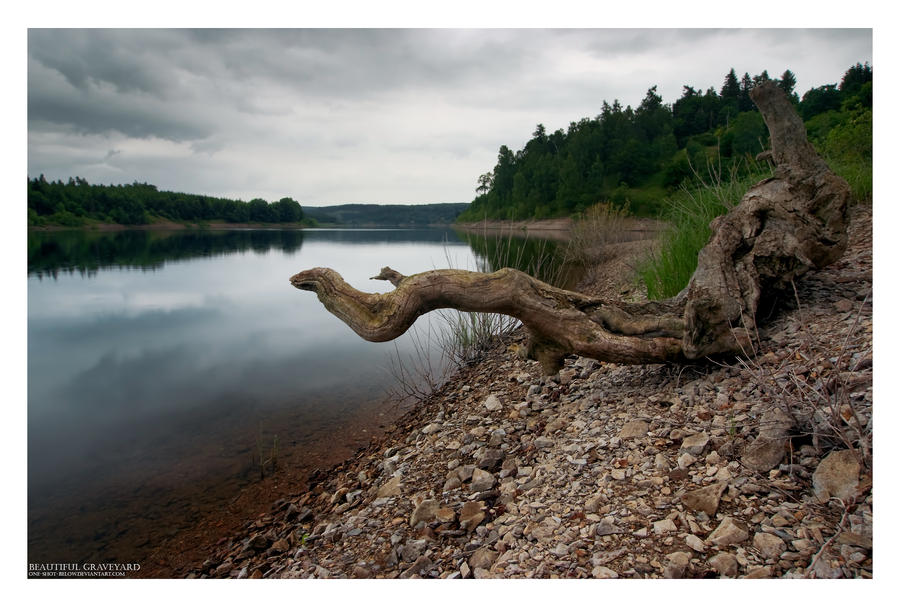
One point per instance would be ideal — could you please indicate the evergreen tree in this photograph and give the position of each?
(731, 89)
(759, 78)
(855, 78)
(745, 104)
(787, 82)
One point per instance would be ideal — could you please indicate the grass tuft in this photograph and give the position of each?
(689, 213)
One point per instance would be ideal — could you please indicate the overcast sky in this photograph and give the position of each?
(362, 115)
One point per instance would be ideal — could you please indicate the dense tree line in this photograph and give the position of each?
(636, 156)
(73, 202)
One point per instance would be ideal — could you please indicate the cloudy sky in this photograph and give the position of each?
(330, 116)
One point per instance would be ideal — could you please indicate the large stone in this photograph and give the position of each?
(594, 503)
(490, 459)
(705, 499)
(604, 573)
(422, 563)
(770, 446)
(634, 429)
(770, 546)
(465, 472)
(471, 515)
(445, 515)
(763, 454)
(837, 476)
(608, 526)
(390, 488)
(695, 543)
(758, 573)
(728, 533)
(686, 460)
(483, 558)
(543, 531)
(412, 550)
(482, 480)
(424, 512)
(677, 566)
(664, 526)
(492, 403)
(724, 563)
(258, 542)
(282, 545)
(695, 443)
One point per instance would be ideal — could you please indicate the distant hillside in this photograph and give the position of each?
(387, 215)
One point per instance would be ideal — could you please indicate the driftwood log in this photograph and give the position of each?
(783, 226)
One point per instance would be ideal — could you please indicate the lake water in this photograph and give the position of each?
(163, 366)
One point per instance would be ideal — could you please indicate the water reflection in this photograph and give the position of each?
(87, 252)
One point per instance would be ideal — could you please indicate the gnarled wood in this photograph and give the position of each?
(783, 226)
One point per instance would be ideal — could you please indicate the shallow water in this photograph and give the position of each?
(163, 366)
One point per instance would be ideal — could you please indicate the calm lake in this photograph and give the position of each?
(163, 365)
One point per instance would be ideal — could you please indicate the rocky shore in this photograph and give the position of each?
(758, 467)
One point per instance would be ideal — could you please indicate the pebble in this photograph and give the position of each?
(634, 429)
(729, 532)
(664, 526)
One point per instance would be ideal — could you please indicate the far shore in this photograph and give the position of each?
(556, 229)
(551, 229)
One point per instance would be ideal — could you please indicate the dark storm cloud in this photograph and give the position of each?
(98, 81)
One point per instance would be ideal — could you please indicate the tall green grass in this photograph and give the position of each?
(689, 212)
(847, 148)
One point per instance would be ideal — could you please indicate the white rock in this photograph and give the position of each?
(695, 443)
(695, 543)
(728, 532)
(664, 526)
(685, 460)
(770, 546)
(604, 573)
(482, 480)
(492, 403)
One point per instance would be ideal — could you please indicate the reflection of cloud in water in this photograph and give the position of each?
(122, 404)
(87, 328)
(133, 376)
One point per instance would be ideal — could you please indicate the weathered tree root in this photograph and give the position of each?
(783, 226)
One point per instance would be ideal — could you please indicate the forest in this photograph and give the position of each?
(77, 202)
(636, 157)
